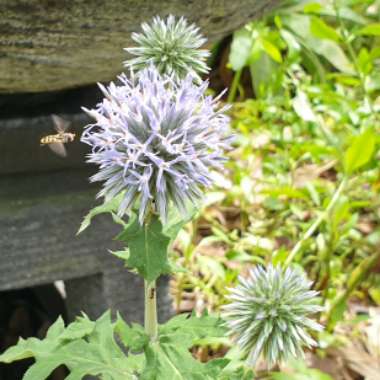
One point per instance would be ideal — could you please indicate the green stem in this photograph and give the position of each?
(310, 231)
(234, 86)
(356, 277)
(151, 325)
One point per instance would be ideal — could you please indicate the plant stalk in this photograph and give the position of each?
(309, 233)
(151, 325)
(234, 86)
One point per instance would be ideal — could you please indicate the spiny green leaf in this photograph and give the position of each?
(176, 221)
(85, 347)
(239, 372)
(148, 247)
(124, 254)
(169, 358)
(107, 207)
(167, 361)
(78, 329)
(194, 327)
(42, 369)
(33, 347)
(133, 337)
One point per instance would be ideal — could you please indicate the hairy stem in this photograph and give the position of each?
(310, 231)
(151, 325)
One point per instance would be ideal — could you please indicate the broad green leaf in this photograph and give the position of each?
(333, 53)
(271, 50)
(375, 295)
(345, 13)
(337, 312)
(360, 151)
(108, 207)
(312, 8)
(321, 30)
(265, 74)
(240, 49)
(147, 247)
(371, 30)
(364, 61)
(293, 45)
(300, 25)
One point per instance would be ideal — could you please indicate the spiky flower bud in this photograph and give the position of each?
(171, 45)
(157, 140)
(268, 313)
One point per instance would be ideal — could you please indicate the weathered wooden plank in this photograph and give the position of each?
(39, 217)
(49, 45)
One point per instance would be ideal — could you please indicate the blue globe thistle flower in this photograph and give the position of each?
(268, 313)
(157, 140)
(171, 45)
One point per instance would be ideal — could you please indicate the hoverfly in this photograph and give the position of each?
(56, 142)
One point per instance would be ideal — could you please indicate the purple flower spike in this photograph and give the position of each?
(157, 139)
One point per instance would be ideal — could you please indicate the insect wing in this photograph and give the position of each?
(60, 124)
(58, 148)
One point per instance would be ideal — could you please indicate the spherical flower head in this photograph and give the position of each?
(171, 45)
(157, 140)
(268, 313)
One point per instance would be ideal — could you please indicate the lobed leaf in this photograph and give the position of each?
(110, 206)
(84, 347)
(147, 247)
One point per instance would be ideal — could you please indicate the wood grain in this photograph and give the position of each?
(49, 45)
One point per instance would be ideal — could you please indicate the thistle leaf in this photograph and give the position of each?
(188, 329)
(167, 361)
(85, 347)
(110, 206)
(170, 358)
(132, 337)
(147, 246)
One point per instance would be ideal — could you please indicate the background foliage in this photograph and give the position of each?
(303, 180)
